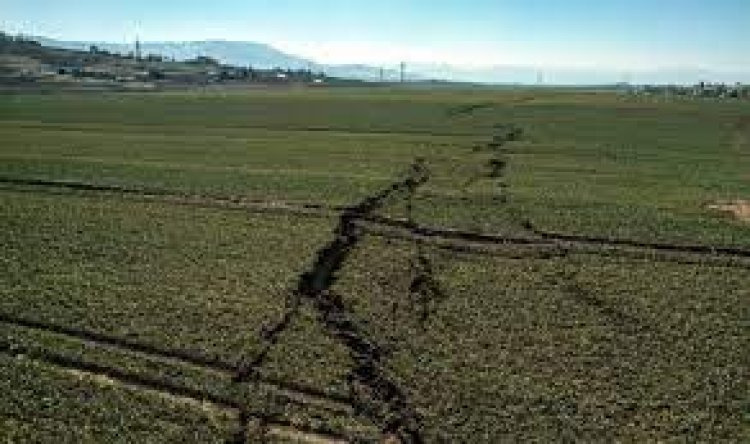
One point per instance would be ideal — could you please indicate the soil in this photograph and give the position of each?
(740, 209)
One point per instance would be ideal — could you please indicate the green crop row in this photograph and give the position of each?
(602, 166)
(596, 164)
(46, 404)
(336, 168)
(179, 277)
(587, 348)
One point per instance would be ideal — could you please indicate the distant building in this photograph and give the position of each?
(69, 70)
(48, 70)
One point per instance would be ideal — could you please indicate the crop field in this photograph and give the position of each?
(374, 265)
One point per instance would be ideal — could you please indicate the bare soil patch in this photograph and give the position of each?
(739, 209)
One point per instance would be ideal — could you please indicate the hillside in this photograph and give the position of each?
(257, 55)
(27, 62)
(231, 53)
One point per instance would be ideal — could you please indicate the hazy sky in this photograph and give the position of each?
(607, 34)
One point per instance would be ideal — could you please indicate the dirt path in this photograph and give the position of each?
(739, 209)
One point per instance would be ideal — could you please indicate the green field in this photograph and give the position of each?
(373, 265)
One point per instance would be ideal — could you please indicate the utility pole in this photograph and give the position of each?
(137, 48)
(403, 72)
(382, 75)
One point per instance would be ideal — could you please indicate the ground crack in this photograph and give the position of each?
(377, 396)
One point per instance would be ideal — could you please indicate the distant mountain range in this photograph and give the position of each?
(264, 56)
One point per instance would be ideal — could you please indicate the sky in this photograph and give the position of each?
(592, 34)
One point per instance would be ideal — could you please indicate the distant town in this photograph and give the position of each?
(702, 89)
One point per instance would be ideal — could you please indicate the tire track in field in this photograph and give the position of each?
(242, 203)
(160, 387)
(96, 338)
(377, 396)
(470, 241)
(175, 197)
(468, 109)
(544, 239)
(624, 322)
(704, 250)
(432, 132)
(293, 392)
(124, 376)
(628, 355)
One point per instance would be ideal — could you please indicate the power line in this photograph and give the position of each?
(627, 78)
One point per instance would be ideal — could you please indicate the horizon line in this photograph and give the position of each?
(464, 67)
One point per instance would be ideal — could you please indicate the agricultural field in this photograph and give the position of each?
(374, 265)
